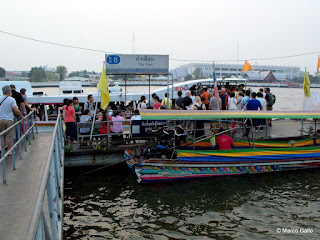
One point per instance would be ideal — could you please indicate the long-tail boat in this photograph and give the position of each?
(245, 158)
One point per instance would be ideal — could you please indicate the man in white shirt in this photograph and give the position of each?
(264, 108)
(262, 101)
(193, 97)
(8, 105)
(136, 115)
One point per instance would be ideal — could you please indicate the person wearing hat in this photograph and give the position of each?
(19, 99)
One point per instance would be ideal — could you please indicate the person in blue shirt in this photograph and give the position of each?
(253, 105)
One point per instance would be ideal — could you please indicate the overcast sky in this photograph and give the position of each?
(195, 30)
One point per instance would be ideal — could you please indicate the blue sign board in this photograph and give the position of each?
(137, 64)
(113, 59)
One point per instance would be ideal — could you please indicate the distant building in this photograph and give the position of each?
(227, 70)
(13, 76)
(82, 79)
(94, 77)
(264, 76)
(48, 69)
(179, 73)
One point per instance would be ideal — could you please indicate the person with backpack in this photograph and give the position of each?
(90, 105)
(245, 100)
(165, 103)
(270, 99)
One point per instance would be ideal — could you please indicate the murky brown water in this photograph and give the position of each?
(112, 205)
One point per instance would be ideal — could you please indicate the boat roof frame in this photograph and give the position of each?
(152, 114)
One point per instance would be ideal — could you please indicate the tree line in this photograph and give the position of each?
(38, 74)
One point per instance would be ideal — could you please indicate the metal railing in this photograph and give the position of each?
(97, 126)
(25, 126)
(51, 188)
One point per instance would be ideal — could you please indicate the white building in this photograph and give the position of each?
(225, 69)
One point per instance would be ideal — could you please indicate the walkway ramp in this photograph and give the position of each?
(18, 196)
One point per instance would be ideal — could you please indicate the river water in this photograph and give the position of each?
(110, 204)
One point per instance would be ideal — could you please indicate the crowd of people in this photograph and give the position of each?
(198, 98)
(229, 98)
(111, 119)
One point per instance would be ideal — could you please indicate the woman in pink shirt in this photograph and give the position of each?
(69, 119)
(157, 104)
(117, 121)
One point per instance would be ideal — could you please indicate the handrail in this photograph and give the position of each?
(52, 183)
(8, 129)
(26, 132)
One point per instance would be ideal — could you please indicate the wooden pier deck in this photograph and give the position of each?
(18, 195)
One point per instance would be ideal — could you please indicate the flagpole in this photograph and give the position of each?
(305, 73)
(215, 83)
(94, 115)
(304, 100)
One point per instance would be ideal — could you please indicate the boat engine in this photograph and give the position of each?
(167, 140)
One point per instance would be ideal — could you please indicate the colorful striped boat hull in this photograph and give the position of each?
(200, 164)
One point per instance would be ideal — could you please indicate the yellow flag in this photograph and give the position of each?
(104, 88)
(306, 85)
(246, 66)
(318, 64)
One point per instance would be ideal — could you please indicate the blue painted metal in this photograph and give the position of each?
(19, 143)
(52, 188)
(13, 152)
(3, 159)
(15, 141)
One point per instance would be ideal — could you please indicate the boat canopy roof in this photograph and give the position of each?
(19, 85)
(152, 114)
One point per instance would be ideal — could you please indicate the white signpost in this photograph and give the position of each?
(137, 64)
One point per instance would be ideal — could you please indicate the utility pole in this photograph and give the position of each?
(133, 44)
(237, 58)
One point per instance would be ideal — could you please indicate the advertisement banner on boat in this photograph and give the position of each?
(142, 128)
(137, 64)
